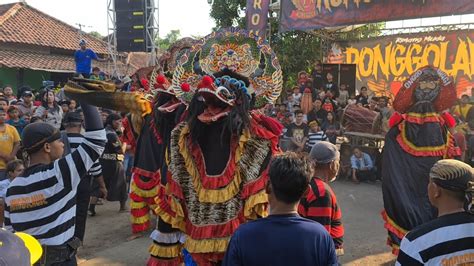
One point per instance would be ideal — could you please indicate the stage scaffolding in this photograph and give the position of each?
(151, 28)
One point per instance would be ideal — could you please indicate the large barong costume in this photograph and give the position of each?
(418, 138)
(220, 154)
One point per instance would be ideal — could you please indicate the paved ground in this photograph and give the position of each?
(365, 237)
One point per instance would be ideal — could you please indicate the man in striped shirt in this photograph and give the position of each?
(72, 139)
(448, 239)
(320, 203)
(42, 202)
(315, 135)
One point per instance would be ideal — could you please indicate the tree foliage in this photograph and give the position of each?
(296, 50)
(228, 13)
(169, 39)
(96, 34)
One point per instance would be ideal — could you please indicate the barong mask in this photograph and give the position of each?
(244, 57)
(427, 84)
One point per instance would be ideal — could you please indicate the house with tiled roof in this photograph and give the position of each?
(35, 47)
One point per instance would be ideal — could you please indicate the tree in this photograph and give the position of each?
(169, 39)
(228, 13)
(96, 34)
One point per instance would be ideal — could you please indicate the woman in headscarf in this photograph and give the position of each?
(112, 162)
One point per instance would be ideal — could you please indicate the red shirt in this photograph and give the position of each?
(320, 205)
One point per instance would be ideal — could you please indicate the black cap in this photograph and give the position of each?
(36, 134)
(26, 93)
(72, 117)
(64, 102)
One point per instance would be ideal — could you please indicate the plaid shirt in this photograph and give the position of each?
(320, 205)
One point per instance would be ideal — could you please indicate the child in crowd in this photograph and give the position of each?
(352, 100)
(8, 94)
(14, 169)
(72, 105)
(281, 111)
(65, 106)
(297, 95)
(315, 135)
(343, 96)
(345, 169)
(290, 102)
(328, 105)
(15, 119)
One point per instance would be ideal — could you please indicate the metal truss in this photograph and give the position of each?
(112, 38)
(152, 28)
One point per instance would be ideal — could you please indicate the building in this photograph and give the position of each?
(35, 47)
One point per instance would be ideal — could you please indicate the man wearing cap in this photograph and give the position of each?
(83, 58)
(18, 249)
(25, 105)
(42, 201)
(72, 138)
(448, 239)
(320, 203)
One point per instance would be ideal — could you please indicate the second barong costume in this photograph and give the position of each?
(418, 138)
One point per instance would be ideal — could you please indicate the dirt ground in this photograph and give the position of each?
(364, 239)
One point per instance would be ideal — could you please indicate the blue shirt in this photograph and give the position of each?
(281, 240)
(364, 162)
(84, 60)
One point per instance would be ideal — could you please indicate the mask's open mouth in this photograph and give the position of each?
(170, 106)
(215, 108)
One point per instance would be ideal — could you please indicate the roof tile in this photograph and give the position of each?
(48, 62)
(20, 23)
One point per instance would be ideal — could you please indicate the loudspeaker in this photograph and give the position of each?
(131, 20)
(127, 5)
(347, 74)
(343, 74)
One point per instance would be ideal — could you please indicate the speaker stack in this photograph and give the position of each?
(131, 24)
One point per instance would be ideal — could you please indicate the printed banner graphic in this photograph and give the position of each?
(314, 14)
(257, 16)
(383, 63)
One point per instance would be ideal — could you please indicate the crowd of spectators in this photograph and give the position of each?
(49, 105)
(312, 112)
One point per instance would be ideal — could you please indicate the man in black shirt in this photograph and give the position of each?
(363, 97)
(331, 87)
(317, 76)
(317, 113)
(298, 132)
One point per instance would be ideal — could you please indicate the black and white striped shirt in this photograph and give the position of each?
(75, 139)
(447, 240)
(315, 137)
(42, 202)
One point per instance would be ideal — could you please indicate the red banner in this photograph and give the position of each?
(257, 16)
(383, 63)
(314, 14)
